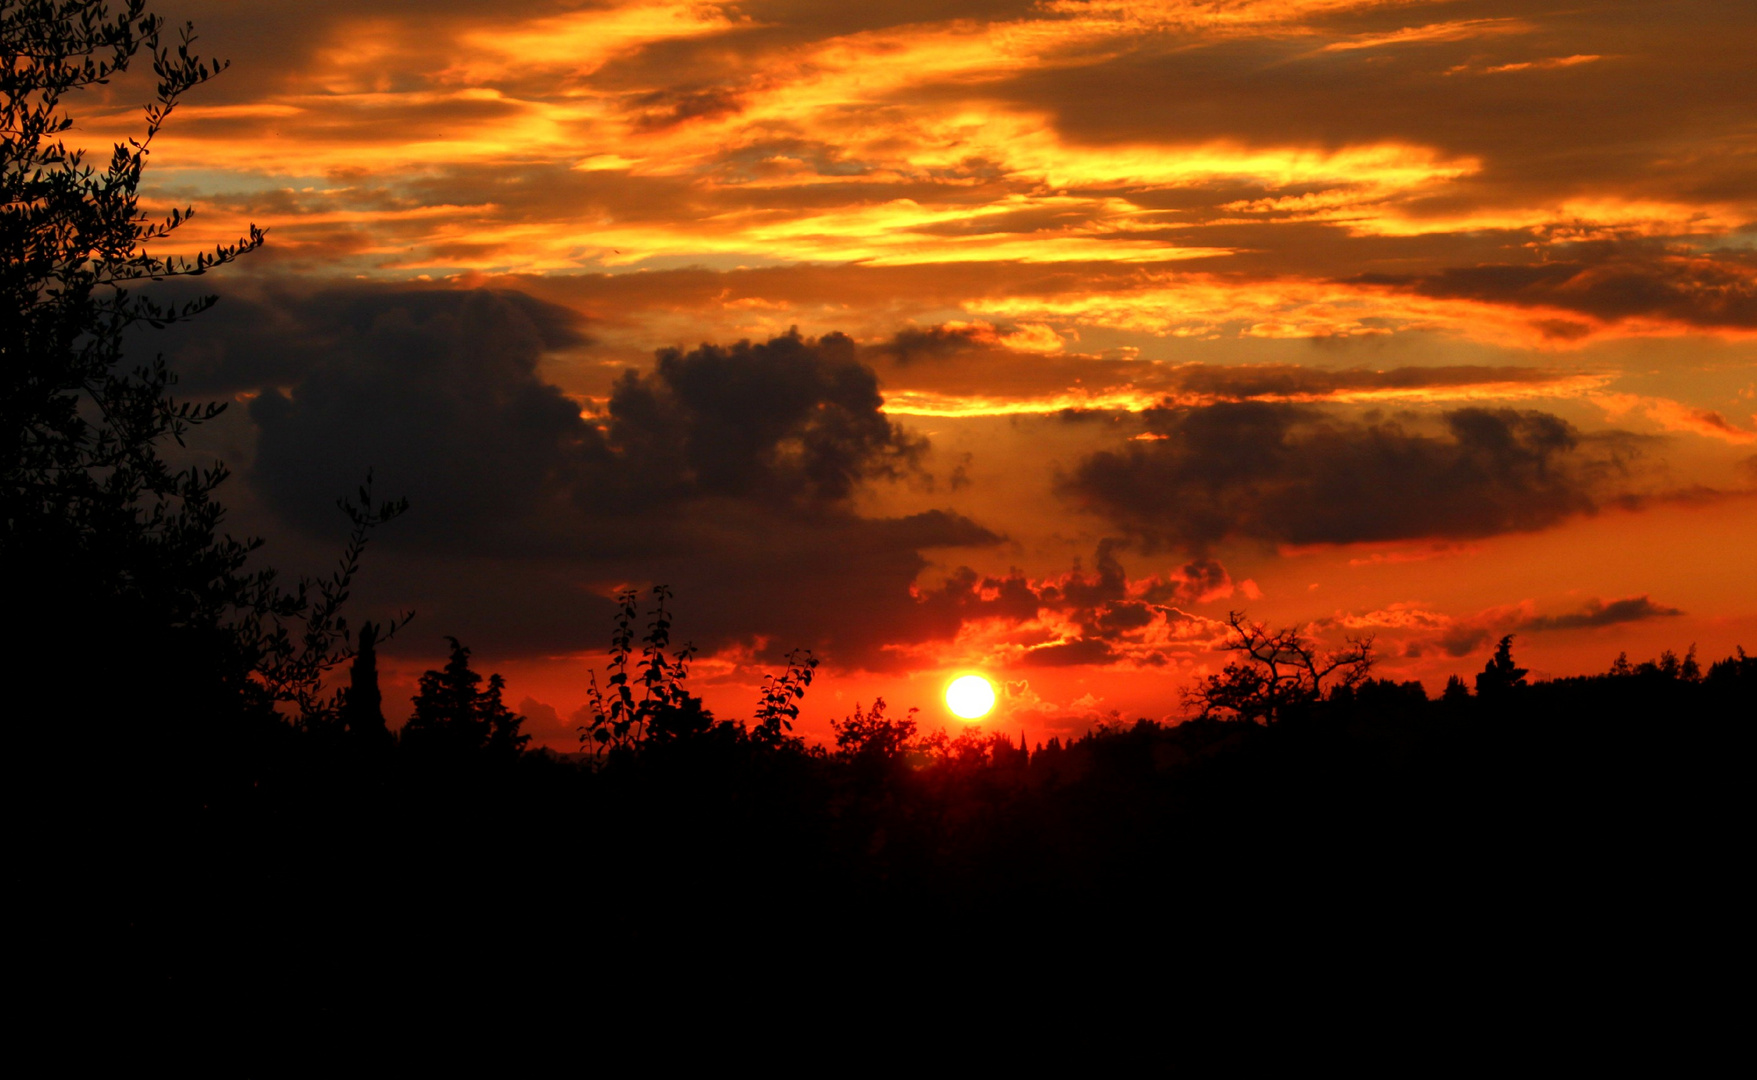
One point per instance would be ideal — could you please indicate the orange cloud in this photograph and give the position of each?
(1543, 65)
(1457, 30)
(1675, 416)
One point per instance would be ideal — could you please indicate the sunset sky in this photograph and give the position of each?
(1072, 326)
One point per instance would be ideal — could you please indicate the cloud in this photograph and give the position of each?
(963, 369)
(1676, 416)
(439, 392)
(546, 727)
(790, 418)
(1411, 630)
(1101, 616)
(1602, 613)
(276, 333)
(1290, 382)
(669, 133)
(1070, 653)
(436, 392)
(1616, 283)
(1457, 30)
(1300, 475)
(728, 472)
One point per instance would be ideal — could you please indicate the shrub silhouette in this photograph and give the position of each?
(622, 721)
(664, 709)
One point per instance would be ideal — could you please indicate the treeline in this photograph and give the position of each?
(341, 871)
(411, 859)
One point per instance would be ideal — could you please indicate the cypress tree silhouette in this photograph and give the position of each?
(362, 711)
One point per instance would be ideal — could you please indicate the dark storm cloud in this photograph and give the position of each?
(1301, 475)
(1601, 613)
(276, 335)
(437, 392)
(792, 417)
(1717, 292)
(726, 472)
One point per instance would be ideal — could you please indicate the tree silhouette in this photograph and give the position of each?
(1500, 676)
(456, 715)
(86, 490)
(362, 712)
(871, 736)
(130, 547)
(1280, 670)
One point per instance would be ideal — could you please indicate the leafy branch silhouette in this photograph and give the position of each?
(779, 705)
(618, 721)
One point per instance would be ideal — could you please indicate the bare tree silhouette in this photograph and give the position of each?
(1279, 670)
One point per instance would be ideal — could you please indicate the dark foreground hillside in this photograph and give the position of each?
(337, 872)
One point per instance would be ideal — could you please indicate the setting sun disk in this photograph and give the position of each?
(970, 696)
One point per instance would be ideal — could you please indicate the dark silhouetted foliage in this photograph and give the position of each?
(1500, 676)
(456, 715)
(124, 551)
(1280, 671)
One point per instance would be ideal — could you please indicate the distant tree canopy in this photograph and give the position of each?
(872, 736)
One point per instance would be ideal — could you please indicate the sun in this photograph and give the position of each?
(970, 696)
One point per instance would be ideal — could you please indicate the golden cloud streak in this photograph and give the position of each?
(928, 403)
(1459, 30)
(1134, 399)
(583, 41)
(395, 110)
(1207, 306)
